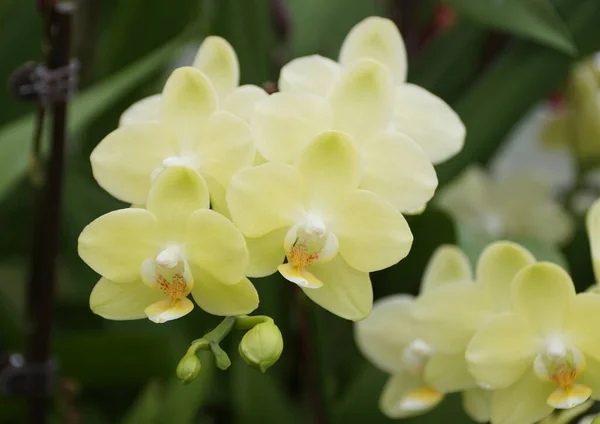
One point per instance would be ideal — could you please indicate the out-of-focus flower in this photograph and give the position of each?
(217, 59)
(450, 314)
(314, 210)
(519, 205)
(576, 126)
(150, 260)
(543, 349)
(411, 110)
(390, 339)
(593, 232)
(360, 104)
(261, 346)
(191, 132)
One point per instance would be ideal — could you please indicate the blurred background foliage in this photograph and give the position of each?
(492, 60)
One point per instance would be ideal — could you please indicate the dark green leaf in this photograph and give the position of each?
(533, 19)
(258, 398)
(319, 26)
(519, 78)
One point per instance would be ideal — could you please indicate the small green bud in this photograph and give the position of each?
(188, 368)
(261, 346)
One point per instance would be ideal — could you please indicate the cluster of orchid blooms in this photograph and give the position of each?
(228, 182)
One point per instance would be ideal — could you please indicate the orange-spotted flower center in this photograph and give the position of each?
(561, 366)
(307, 244)
(169, 272)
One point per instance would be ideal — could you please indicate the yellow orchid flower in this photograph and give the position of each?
(519, 205)
(417, 113)
(311, 211)
(191, 132)
(359, 104)
(542, 353)
(390, 339)
(151, 259)
(593, 231)
(218, 61)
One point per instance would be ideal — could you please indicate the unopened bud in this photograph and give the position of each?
(188, 368)
(261, 346)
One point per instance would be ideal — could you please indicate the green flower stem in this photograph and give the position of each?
(215, 336)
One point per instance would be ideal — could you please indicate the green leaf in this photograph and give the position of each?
(15, 137)
(537, 20)
(146, 408)
(258, 398)
(319, 26)
(518, 79)
(449, 62)
(248, 27)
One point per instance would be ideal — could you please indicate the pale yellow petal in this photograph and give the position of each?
(176, 193)
(284, 122)
(361, 99)
(405, 395)
(543, 292)
(330, 169)
(266, 253)
(309, 74)
(145, 110)
(383, 335)
(115, 244)
(299, 276)
(591, 376)
(123, 162)
(346, 292)
(448, 372)
(497, 267)
(450, 314)
(502, 350)
(447, 265)
(583, 324)
(218, 61)
(476, 403)
(218, 203)
(169, 309)
(398, 170)
(508, 406)
(242, 100)
(372, 234)
(226, 147)
(214, 244)
(376, 38)
(221, 299)
(593, 231)
(118, 301)
(189, 99)
(265, 198)
(429, 121)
